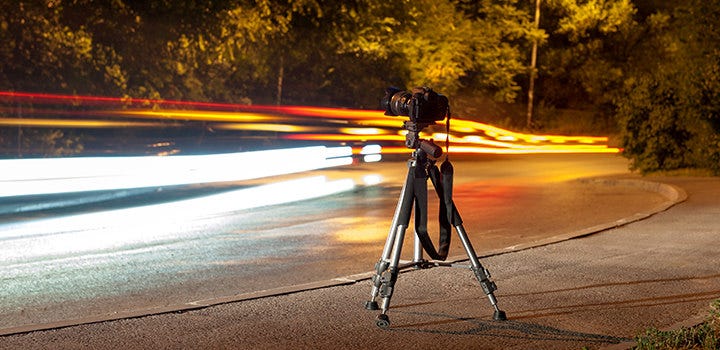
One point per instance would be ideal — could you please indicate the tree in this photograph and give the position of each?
(588, 49)
(41, 53)
(445, 44)
(238, 54)
(668, 109)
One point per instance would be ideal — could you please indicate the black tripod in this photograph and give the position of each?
(420, 168)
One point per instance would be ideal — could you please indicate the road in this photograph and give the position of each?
(110, 259)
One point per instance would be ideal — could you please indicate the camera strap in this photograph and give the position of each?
(448, 215)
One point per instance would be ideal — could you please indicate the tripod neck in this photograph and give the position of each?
(421, 163)
(429, 148)
(413, 140)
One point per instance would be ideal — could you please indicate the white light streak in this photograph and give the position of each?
(138, 227)
(372, 179)
(371, 149)
(370, 158)
(64, 175)
(371, 153)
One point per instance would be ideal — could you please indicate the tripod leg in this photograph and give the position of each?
(418, 258)
(389, 278)
(382, 265)
(481, 273)
(402, 214)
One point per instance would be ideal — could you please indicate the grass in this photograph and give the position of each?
(703, 336)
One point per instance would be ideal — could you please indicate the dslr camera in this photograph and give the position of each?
(422, 105)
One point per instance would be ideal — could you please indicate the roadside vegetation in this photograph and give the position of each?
(705, 336)
(646, 72)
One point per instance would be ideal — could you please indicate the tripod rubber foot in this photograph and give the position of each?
(499, 315)
(383, 321)
(371, 305)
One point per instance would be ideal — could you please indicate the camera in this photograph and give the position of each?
(422, 105)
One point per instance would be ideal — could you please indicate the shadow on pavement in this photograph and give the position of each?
(453, 325)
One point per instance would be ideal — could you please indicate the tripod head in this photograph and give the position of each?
(413, 140)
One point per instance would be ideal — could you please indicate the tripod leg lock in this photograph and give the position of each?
(483, 276)
(387, 282)
(488, 286)
(380, 270)
(381, 266)
(386, 291)
(377, 281)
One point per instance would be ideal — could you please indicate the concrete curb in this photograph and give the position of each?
(673, 195)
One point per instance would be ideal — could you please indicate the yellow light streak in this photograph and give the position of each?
(505, 135)
(268, 127)
(363, 131)
(58, 123)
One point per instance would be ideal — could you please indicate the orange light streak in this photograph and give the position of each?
(534, 150)
(123, 101)
(509, 151)
(344, 137)
(325, 112)
(199, 115)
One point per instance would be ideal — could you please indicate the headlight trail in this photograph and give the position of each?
(139, 227)
(66, 175)
(330, 127)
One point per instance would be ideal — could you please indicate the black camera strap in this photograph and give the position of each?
(448, 215)
(447, 136)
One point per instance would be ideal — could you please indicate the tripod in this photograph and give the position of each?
(420, 168)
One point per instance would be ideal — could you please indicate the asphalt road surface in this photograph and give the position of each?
(113, 257)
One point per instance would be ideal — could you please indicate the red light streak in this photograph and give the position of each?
(320, 112)
(107, 101)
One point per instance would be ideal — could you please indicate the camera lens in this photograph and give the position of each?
(399, 103)
(396, 101)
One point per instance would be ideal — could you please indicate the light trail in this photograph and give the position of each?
(284, 128)
(22, 177)
(299, 123)
(143, 226)
(85, 124)
(198, 115)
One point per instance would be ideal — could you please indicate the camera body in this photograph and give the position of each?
(422, 105)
